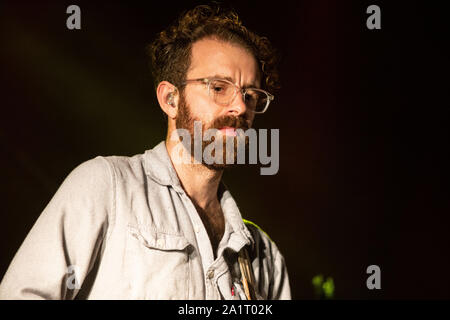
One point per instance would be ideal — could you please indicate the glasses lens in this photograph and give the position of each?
(221, 91)
(256, 100)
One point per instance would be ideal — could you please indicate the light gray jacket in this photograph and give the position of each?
(124, 228)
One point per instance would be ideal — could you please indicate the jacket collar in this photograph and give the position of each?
(158, 166)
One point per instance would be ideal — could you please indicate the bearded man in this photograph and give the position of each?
(151, 226)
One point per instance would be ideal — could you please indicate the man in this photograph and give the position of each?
(152, 226)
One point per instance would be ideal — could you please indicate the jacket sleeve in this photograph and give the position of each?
(280, 288)
(61, 248)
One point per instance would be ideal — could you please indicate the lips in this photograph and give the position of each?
(229, 131)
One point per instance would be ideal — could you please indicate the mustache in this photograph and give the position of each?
(230, 121)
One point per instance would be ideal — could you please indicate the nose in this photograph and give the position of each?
(237, 106)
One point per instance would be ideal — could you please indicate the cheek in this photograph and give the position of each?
(202, 109)
(204, 114)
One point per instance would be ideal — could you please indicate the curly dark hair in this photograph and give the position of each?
(170, 52)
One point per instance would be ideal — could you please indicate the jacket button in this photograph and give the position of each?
(210, 274)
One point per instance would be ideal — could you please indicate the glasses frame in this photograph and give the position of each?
(243, 91)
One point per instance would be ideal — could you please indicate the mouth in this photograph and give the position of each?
(228, 131)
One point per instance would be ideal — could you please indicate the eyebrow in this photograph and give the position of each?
(221, 76)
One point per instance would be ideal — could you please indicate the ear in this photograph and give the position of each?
(167, 95)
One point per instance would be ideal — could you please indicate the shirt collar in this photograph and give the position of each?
(158, 166)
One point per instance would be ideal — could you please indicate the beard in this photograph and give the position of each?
(185, 120)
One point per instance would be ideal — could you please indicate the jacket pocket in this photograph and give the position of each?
(157, 264)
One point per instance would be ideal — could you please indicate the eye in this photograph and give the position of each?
(251, 95)
(218, 87)
(248, 98)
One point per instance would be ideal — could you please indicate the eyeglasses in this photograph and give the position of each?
(223, 92)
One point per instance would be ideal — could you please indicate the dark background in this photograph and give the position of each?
(363, 119)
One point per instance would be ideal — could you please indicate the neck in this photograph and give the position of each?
(200, 182)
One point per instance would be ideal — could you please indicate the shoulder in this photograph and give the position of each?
(102, 172)
(92, 172)
(256, 230)
(263, 246)
(106, 169)
(124, 166)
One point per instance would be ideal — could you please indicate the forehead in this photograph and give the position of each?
(210, 57)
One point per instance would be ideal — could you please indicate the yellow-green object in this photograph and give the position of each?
(328, 288)
(323, 289)
(317, 281)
